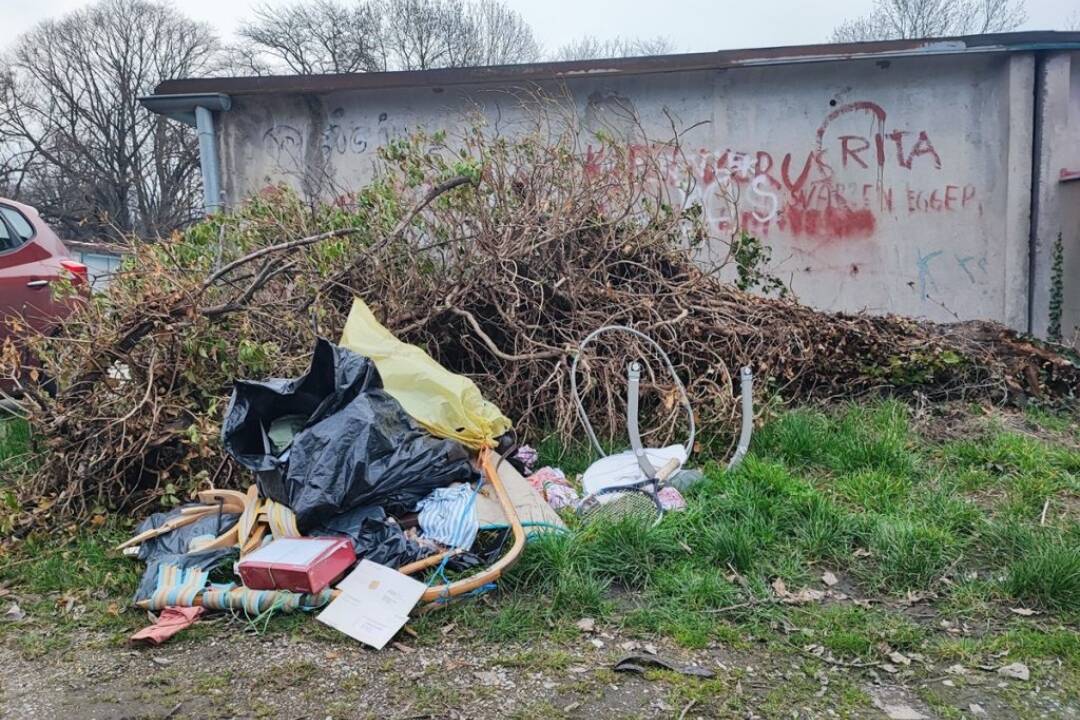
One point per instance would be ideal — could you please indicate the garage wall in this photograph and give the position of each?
(899, 185)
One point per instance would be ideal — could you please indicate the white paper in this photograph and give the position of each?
(374, 603)
(292, 551)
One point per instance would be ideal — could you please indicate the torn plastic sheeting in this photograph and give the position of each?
(375, 536)
(172, 547)
(448, 405)
(357, 448)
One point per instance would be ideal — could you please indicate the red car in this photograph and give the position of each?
(31, 258)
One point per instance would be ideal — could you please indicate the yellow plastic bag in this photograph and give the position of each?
(447, 405)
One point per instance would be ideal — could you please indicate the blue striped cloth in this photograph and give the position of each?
(448, 516)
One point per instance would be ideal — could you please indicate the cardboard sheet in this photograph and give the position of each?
(374, 603)
(530, 506)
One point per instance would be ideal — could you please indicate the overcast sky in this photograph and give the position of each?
(694, 25)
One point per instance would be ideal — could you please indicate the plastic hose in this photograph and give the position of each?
(747, 390)
(583, 416)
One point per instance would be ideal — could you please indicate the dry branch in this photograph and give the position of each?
(499, 281)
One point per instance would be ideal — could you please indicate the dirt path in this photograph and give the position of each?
(221, 671)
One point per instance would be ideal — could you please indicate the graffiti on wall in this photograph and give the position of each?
(287, 145)
(839, 188)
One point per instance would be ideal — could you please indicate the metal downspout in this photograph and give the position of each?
(208, 159)
(1036, 184)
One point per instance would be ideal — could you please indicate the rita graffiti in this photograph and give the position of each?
(839, 188)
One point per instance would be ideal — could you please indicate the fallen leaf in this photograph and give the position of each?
(956, 670)
(586, 625)
(806, 595)
(977, 709)
(861, 552)
(1016, 671)
(14, 613)
(1025, 612)
(597, 643)
(899, 658)
(828, 578)
(889, 668)
(780, 588)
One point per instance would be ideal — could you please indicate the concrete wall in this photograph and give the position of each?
(898, 185)
(1057, 193)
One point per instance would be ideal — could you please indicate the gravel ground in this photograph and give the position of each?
(222, 671)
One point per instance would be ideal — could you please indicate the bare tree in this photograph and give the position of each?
(85, 151)
(424, 34)
(336, 36)
(893, 19)
(503, 37)
(1073, 23)
(589, 47)
(307, 38)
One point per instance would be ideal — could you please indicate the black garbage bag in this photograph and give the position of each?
(172, 547)
(357, 447)
(375, 536)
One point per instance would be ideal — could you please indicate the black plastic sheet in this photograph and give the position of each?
(358, 447)
(375, 536)
(172, 547)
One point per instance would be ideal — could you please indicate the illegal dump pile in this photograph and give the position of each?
(498, 257)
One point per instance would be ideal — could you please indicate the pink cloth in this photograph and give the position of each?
(171, 621)
(527, 456)
(552, 485)
(671, 499)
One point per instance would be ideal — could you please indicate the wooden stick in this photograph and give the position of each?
(429, 561)
(493, 573)
(169, 526)
(669, 467)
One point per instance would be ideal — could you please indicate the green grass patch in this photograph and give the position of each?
(855, 490)
(14, 446)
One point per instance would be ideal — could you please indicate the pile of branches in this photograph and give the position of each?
(498, 256)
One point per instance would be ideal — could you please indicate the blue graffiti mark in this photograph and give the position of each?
(982, 264)
(963, 263)
(923, 264)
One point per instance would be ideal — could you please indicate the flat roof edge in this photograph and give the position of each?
(556, 71)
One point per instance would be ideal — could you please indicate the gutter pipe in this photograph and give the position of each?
(197, 110)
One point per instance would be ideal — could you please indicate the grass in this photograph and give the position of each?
(857, 492)
(978, 525)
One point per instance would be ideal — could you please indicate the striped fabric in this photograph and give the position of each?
(448, 516)
(281, 518)
(182, 588)
(255, 602)
(177, 587)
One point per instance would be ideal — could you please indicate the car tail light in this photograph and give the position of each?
(77, 269)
